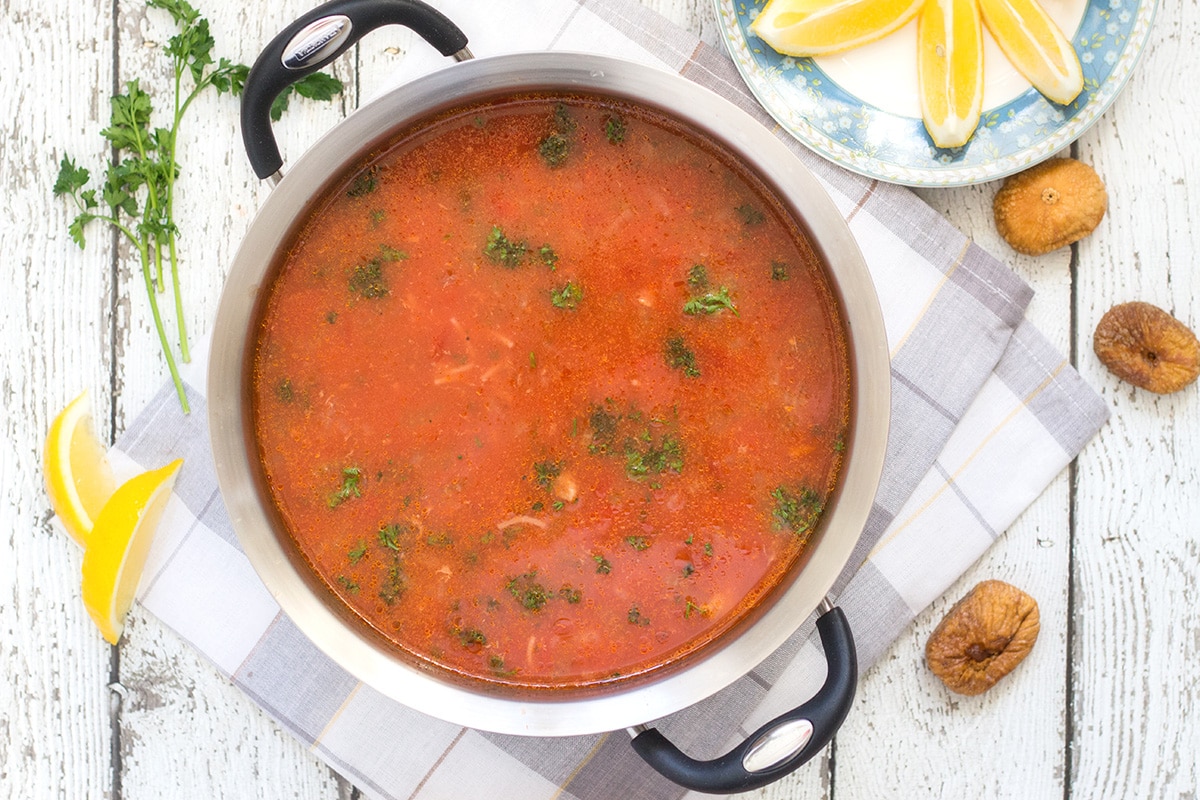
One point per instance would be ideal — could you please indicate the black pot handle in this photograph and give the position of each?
(783, 744)
(315, 39)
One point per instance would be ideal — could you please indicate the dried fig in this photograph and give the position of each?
(1049, 206)
(1146, 346)
(983, 638)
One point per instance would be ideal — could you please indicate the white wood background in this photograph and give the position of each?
(1105, 707)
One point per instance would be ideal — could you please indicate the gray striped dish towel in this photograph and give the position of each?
(985, 413)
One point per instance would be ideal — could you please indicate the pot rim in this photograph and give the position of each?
(710, 669)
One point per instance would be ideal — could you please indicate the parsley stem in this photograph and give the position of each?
(180, 109)
(151, 216)
(144, 251)
(184, 352)
(143, 247)
(180, 321)
(169, 201)
(158, 263)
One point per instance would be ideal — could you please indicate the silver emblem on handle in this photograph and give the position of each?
(777, 745)
(317, 40)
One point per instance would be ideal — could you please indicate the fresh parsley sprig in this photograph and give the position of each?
(137, 195)
(710, 303)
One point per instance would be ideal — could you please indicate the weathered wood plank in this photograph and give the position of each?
(698, 17)
(1136, 696)
(184, 730)
(54, 333)
(913, 737)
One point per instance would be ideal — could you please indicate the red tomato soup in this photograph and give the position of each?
(550, 393)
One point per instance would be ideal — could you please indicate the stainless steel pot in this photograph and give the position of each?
(777, 748)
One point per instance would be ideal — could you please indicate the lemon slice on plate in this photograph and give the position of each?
(1036, 47)
(950, 69)
(820, 27)
(79, 479)
(119, 543)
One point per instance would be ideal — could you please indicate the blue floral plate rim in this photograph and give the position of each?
(856, 135)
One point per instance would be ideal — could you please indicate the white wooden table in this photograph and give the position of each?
(1105, 707)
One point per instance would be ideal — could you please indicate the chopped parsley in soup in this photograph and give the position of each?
(550, 393)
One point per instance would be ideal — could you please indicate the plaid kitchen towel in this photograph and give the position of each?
(985, 413)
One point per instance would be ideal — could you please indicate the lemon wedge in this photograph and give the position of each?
(119, 543)
(821, 27)
(79, 479)
(950, 69)
(1036, 47)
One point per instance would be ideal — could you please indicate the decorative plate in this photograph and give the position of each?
(860, 108)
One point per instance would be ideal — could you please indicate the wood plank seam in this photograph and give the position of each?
(116, 704)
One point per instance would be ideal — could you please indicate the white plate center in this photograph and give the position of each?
(884, 73)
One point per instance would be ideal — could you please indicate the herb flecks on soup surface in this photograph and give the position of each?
(549, 393)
